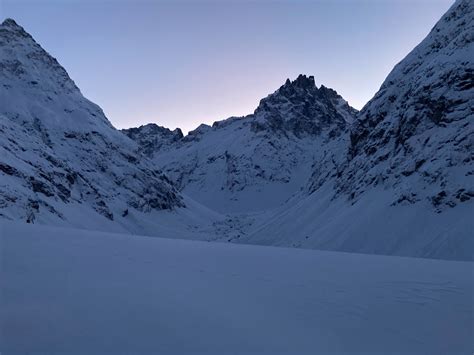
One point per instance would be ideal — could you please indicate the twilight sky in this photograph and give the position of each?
(184, 62)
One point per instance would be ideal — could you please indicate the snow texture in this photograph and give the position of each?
(74, 291)
(58, 150)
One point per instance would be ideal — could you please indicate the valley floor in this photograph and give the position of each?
(74, 290)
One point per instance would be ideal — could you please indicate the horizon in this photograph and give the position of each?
(133, 90)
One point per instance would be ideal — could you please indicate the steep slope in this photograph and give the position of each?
(61, 161)
(303, 170)
(417, 133)
(255, 162)
(407, 184)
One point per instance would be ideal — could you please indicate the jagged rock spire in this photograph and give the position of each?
(300, 107)
(10, 23)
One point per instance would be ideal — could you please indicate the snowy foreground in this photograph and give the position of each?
(64, 290)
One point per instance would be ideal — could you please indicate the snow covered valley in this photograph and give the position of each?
(67, 290)
(303, 170)
(109, 238)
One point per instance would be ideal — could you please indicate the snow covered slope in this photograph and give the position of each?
(406, 186)
(417, 134)
(67, 290)
(61, 161)
(300, 171)
(372, 225)
(304, 170)
(152, 137)
(255, 162)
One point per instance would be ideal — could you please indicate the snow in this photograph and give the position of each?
(370, 226)
(73, 290)
(231, 165)
(58, 149)
(416, 135)
(268, 154)
(397, 180)
(301, 171)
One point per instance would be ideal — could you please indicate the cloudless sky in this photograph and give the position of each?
(184, 62)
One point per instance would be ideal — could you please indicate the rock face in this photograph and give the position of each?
(60, 158)
(152, 137)
(397, 178)
(304, 170)
(417, 134)
(300, 108)
(258, 161)
(406, 185)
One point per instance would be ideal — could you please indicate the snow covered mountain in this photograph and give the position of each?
(406, 186)
(61, 161)
(417, 133)
(304, 170)
(255, 162)
(152, 137)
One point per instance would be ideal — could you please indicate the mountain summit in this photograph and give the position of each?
(417, 133)
(304, 170)
(9, 22)
(301, 108)
(61, 159)
(268, 153)
(406, 184)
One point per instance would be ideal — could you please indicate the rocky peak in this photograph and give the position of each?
(300, 107)
(9, 22)
(328, 93)
(302, 81)
(11, 25)
(59, 149)
(418, 129)
(10, 28)
(23, 58)
(153, 128)
(424, 89)
(152, 137)
(302, 85)
(27, 70)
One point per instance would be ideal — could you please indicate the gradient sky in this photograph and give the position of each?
(181, 63)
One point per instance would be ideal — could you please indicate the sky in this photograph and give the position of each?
(185, 62)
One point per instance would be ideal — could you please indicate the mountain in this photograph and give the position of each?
(406, 185)
(152, 137)
(419, 126)
(304, 170)
(255, 162)
(61, 161)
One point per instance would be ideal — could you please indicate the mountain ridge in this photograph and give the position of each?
(303, 170)
(58, 148)
(406, 183)
(245, 153)
(302, 83)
